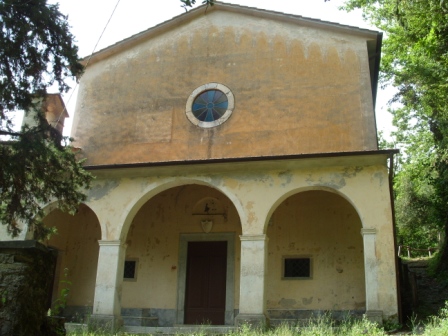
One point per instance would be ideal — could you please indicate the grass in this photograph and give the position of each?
(325, 326)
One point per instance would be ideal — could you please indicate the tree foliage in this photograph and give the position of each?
(415, 61)
(415, 200)
(191, 3)
(37, 51)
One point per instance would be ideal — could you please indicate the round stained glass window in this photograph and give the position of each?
(210, 105)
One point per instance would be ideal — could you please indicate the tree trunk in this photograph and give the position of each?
(442, 258)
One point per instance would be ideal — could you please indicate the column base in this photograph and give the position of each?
(109, 323)
(254, 321)
(375, 316)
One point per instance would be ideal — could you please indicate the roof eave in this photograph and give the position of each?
(385, 152)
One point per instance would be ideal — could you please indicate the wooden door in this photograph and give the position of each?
(205, 297)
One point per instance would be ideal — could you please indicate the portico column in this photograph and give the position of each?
(252, 281)
(373, 311)
(109, 278)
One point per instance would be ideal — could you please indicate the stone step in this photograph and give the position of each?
(289, 322)
(180, 329)
(150, 321)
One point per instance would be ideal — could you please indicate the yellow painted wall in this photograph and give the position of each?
(153, 239)
(259, 191)
(77, 242)
(297, 90)
(325, 227)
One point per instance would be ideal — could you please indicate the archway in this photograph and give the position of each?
(159, 256)
(76, 241)
(315, 257)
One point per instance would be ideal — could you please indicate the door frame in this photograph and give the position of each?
(230, 272)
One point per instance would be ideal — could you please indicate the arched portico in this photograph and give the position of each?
(157, 242)
(296, 189)
(76, 241)
(169, 183)
(263, 299)
(373, 234)
(255, 195)
(315, 257)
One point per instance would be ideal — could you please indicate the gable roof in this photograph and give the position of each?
(374, 38)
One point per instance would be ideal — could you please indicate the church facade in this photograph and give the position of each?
(237, 175)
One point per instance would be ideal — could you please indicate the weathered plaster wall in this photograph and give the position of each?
(256, 190)
(297, 90)
(153, 240)
(77, 244)
(326, 228)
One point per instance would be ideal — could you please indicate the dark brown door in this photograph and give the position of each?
(205, 297)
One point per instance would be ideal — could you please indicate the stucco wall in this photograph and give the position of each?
(256, 190)
(153, 240)
(326, 228)
(297, 90)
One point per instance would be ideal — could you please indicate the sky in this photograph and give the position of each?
(95, 27)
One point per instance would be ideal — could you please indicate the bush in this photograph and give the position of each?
(438, 325)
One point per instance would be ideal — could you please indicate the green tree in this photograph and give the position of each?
(37, 52)
(191, 3)
(415, 61)
(415, 195)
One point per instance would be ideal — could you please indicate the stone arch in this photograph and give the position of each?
(149, 192)
(321, 228)
(157, 244)
(293, 191)
(47, 209)
(76, 243)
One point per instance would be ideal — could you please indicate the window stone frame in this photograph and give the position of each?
(210, 86)
(283, 277)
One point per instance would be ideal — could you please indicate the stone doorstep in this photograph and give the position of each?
(150, 321)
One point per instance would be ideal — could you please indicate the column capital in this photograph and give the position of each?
(368, 231)
(110, 243)
(261, 237)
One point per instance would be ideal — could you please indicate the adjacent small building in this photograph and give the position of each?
(238, 176)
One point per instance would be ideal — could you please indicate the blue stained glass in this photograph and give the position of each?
(210, 95)
(216, 114)
(222, 105)
(209, 116)
(210, 105)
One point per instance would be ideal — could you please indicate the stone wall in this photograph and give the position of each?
(26, 279)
